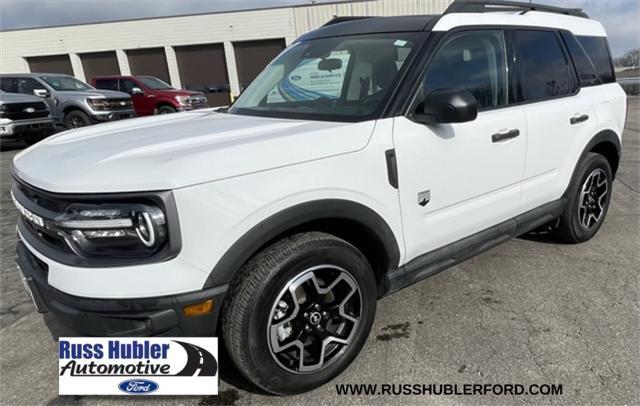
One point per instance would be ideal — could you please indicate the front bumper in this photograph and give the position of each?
(103, 116)
(157, 316)
(26, 127)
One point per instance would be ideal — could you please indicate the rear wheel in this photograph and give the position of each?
(76, 119)
(299, 312)
(589, 197)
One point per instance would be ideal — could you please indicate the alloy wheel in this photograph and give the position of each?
(314, 319)
(593, 199)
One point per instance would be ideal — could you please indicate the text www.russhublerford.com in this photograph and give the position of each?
(471, 389)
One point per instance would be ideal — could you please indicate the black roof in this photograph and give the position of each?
(369, 25)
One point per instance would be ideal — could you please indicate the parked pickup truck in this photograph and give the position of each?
(73, 103)
(151, 95)
(24, 117)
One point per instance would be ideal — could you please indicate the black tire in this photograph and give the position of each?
(76, 119)
(248, 312)
(165, 110)
(572, 227)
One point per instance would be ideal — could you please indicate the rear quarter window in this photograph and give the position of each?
(584, 67)
(598, 51)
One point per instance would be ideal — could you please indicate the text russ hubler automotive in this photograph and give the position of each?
(138, 366)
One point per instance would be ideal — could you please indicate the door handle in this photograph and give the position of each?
(507, 135)
(578, 118)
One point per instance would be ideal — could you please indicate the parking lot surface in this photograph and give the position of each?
(526, 312)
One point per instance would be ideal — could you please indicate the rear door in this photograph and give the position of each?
(559, 116)
(458, 179)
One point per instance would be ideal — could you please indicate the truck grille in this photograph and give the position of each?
(198, 102)
(118, 104)
(24, 111)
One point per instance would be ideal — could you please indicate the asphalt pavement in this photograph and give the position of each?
(526, 312)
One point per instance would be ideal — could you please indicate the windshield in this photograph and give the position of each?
(337, 79)
(64, 83)
(153, 83)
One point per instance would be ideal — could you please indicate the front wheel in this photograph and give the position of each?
(76, 119)
(589, 195)
(299, 312)
(165, 110)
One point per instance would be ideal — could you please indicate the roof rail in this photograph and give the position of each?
(336, 20)
(484, 6)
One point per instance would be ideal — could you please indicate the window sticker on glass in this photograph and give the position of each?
(313, 79)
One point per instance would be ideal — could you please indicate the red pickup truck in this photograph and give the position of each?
(151, 95)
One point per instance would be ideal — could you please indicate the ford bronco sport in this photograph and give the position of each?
(369, 155)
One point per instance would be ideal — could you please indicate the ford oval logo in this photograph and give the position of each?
(138, 386)
(296, 77)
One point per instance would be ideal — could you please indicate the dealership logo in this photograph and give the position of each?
(29, 110)
(138, 366)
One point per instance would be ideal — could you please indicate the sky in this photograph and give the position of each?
(621, 18)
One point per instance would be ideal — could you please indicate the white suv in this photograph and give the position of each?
(370, 154)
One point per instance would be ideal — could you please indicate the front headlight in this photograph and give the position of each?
(122, 230)
(97, 104)
(184, 100)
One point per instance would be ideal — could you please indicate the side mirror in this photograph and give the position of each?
(41, 92)
(136, 90)
(330, 64)
(447, 106)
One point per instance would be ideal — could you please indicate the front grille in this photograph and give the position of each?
(40, 198)
(118, 104)
(24, 111)
(46, 206)
(198, 101)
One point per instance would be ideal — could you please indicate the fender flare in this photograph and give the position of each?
(72, 105)
(272, 227)
(603, 136)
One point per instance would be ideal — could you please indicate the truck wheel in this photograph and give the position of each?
(76, 119)
(589, 195)
(165, 110)
(299, 312)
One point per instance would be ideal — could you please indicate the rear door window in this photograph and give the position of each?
(9, 85)
(107, 84)
(598, 51)
(543, 71)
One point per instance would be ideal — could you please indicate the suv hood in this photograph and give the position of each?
(177, 150)
(92, 93)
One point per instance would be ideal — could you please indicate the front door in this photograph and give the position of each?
(458, 179)
(144, 103)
